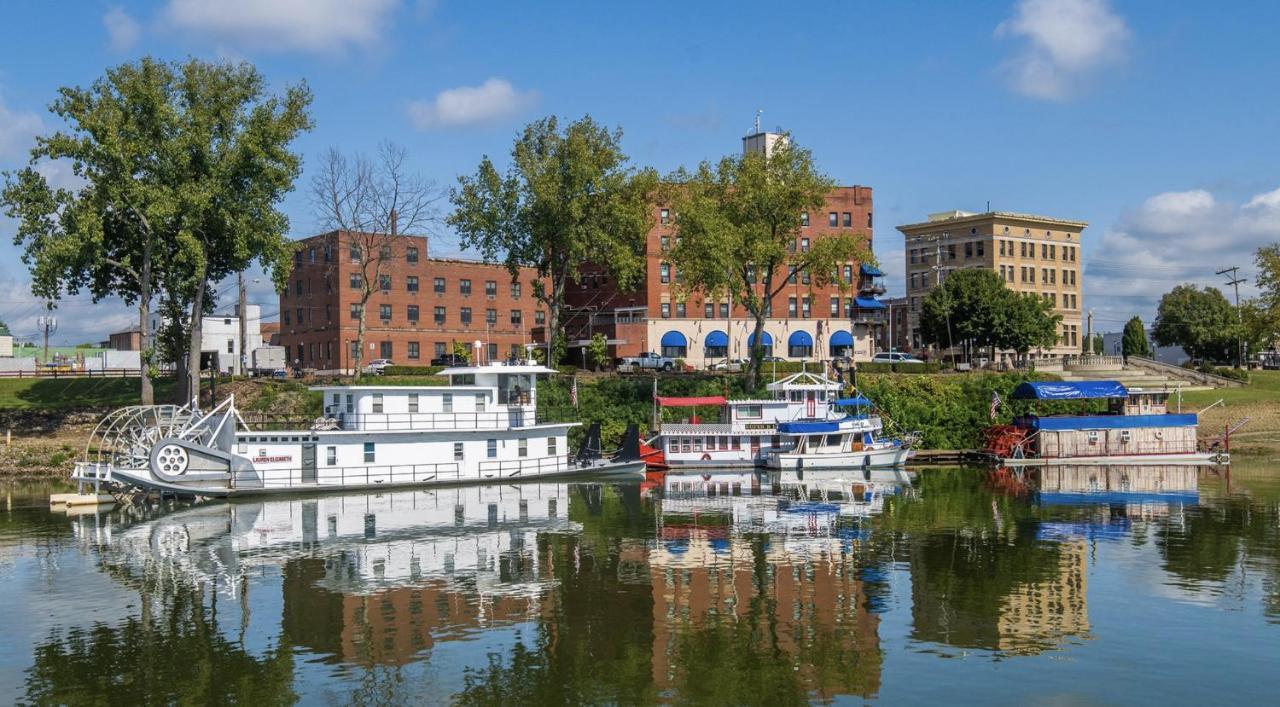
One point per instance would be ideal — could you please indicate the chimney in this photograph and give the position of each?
(393, 222)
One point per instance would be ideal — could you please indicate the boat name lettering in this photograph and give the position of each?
(277, 458)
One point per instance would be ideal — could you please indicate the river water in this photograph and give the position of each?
(1125, 585)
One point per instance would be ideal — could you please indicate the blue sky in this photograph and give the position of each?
(1153, 121)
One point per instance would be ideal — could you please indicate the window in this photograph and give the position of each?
(664, 216)
(384, 349)
(384, 283)
(437, 285)
(464, 315)
(848, 274)
(846, 219)
(832, 219)
(968, 250)
(411, 255)
(522, 447)
(297, 287)
(835, 306)
(981, 248)
(491, 316)
(868, 219)
(666, 310)
(330, 456)
(446, 400)
(413, 313)
(804, 245)
(299, 316)
(664, 243)
(1022, 248)
(748, 412)
(369, 455)
(708, 310)
(464, 286)
(350, 403)
(491, 288)
(804, 219)
(439, 315)
(286, 317)
(414, 354)
(664, 273)
(805, 305)
(439, 348)
(354, 253)
(724, 310)
(951, 251)
(356, 281)
(515, 290)
(491, 449)
(411, 283)
(517, 317)
(551, 446)
(231, 346)
(480, 402)
(539, 317)
(355, 310)
(384, 312)
(377, 402)
(384, 253)
(457, 451)
(791, 307)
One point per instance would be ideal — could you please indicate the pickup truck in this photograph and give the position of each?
(649, 360)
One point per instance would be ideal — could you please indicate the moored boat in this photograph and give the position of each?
(482, 426)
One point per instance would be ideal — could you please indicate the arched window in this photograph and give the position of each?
(716, 345)
(674, 345)
(766, 341)
(841, 343)
(799, 345)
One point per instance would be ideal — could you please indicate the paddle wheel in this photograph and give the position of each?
(1006, 441)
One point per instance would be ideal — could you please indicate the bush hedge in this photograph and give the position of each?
(411, 370)
(1238, 374)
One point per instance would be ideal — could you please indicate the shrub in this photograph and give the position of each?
(411, 370)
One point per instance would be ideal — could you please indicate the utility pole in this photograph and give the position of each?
(1088, 334)
(242, 367)
(938, 269)
(1235, 283)
(49, 323)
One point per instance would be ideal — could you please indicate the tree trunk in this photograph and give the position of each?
(145, 348)
(756, 350)
(358, 357)
(191, 385)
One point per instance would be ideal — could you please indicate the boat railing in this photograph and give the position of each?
(507, 468)
(711, 428)
(343, 476)
(426, 421)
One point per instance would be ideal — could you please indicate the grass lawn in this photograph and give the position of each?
(1259, 401)
(63, 393)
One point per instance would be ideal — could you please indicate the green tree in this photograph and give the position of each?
(598, 350)
(462, 350)
(1267, 259)
(1260, 324)
(974, 308)
(1134, 340)
(736, 230)
(1028, 322)
(182, 167)
(1201, 321)
(569, 197)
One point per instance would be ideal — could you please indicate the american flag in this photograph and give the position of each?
(573, 392)
(995, 403)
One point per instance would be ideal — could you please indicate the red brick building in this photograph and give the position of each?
(808, 322)
(421, 306)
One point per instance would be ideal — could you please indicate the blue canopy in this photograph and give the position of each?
(871, 271)
(1076, 390)
(716, 338)
(1107, 422)
(768, 340)
(807, 428)
(800, 338)
(674, 338)
(868, 303)
(840, 337)
(857, 401)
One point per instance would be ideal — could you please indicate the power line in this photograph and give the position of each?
(1235, 283)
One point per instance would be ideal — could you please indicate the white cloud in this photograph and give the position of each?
(18, 130)
(1172, 238)
(122, 30)
(1066, 40)
(468, 105)
(306, 25)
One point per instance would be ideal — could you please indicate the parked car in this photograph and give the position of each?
(450, 360)
(773, 359)
(377, 366)
(650, 360)
(894, 357)
(280, 373)
(733, 364)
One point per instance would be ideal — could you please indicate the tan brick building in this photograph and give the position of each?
(1035, 254)
(422, 305)
(807, 322)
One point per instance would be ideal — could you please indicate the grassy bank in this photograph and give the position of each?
(1259, 401)
(75, 393)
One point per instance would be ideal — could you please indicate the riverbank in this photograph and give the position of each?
(1259, 401)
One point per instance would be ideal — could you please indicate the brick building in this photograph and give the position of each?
(808, 322)
(422, 306)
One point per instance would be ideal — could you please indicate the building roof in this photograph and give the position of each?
(961, 217)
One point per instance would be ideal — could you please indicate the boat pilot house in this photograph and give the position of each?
(1136, 423)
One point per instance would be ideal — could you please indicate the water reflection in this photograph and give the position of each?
(709, 587)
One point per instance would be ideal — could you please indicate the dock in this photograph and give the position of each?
(951, 456)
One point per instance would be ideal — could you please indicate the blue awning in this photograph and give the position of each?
(808, 428)
(1077, 390)
(800, 338)
(868, 303)
(1106, 422)
(716, 338)
(768, 340)
(858, 401)
(871, 271)
(674, 338)
(840, 337)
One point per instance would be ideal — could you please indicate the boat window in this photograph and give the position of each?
(673, 445)
(413, 402)
(522, 448)
(480, 403)
(377, 402)
(514, 389)
(493, 448)
(331, 456)
(686, 445)
(457, 451)
(368, 453)
(551, 446)
(350, 404)
(711, 443)
(462, 379)
(697, 444)
(748, 412)
(447, 401)
(737, 442)
(242, 447)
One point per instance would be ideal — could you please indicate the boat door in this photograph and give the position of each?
(755, 447)
(811, 404)
(309, 463)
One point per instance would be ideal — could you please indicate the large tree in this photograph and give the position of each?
(569, 196)
(371, 202)
(975, 309)
(737, 223)
(182, 167)
(1028, 322)
(1134, 340)
(1201, 321)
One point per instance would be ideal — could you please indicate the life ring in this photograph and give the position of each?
(706, 457)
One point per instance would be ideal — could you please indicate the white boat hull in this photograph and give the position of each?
(888, 456)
